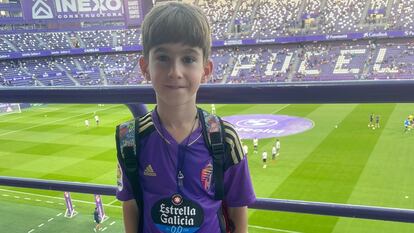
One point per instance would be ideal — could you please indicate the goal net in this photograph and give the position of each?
(9, 108)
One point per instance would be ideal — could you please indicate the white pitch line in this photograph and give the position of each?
(51, 122)
(27, 198)
(31, 231)
(5, 195)
(43, 224)
(16, 197)
(104, 229)
(59, 198)
(38, 200)
(112, 202)
(50, 202)
(273, 229)
(112, 223)
(281, 108)
(34, 111)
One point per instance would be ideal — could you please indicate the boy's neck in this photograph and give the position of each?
(176, 116)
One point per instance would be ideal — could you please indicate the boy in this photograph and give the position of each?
(255, 144)
(175, 169)
(87, 123)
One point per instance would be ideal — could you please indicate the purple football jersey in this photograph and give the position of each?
(190, 207)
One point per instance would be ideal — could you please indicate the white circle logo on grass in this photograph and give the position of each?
(268, 126)
(256, 123)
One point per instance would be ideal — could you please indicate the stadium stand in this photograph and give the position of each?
(283, 17)
(116, 69)
(256, 19)
(55, 40)
(4, 46)
(401, 15)
(94, 39)
(13, 74)
(341, 60)
(367, 59)
(220, 13)
(265, 18)
(24, 42)
(27, 42)
(350, 12)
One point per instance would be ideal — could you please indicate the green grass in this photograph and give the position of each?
(349, 164)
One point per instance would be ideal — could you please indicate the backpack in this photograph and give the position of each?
(128, 143)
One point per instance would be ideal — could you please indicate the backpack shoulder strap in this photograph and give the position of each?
(224, 145)
(214, 139)
(128, 144)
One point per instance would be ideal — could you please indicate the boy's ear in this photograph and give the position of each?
(143, 64)
(208, 70)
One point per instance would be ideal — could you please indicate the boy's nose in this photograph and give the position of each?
(175, 70)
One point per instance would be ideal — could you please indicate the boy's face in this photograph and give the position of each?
(176, 72)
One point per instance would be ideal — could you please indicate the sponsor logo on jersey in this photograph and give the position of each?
(120, 184)
(149, 171)
(177, 214)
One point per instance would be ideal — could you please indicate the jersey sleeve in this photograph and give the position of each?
(234, 149)
(126, 132)
(123, 190)
(238, 186)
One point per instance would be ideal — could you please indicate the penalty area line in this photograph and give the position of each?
(273, 229)
(51, 122)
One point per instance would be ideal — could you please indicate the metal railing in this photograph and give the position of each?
(307, 207)
(291, 93)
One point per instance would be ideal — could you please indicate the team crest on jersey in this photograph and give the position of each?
(206, 176)
(120, 185)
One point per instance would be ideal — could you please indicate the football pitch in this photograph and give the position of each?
(339, 160)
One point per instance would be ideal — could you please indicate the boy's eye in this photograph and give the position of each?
(189, 60)
(162, 58)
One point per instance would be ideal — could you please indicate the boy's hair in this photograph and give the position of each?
(174, 22)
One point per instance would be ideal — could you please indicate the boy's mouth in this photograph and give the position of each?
(174, 86)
